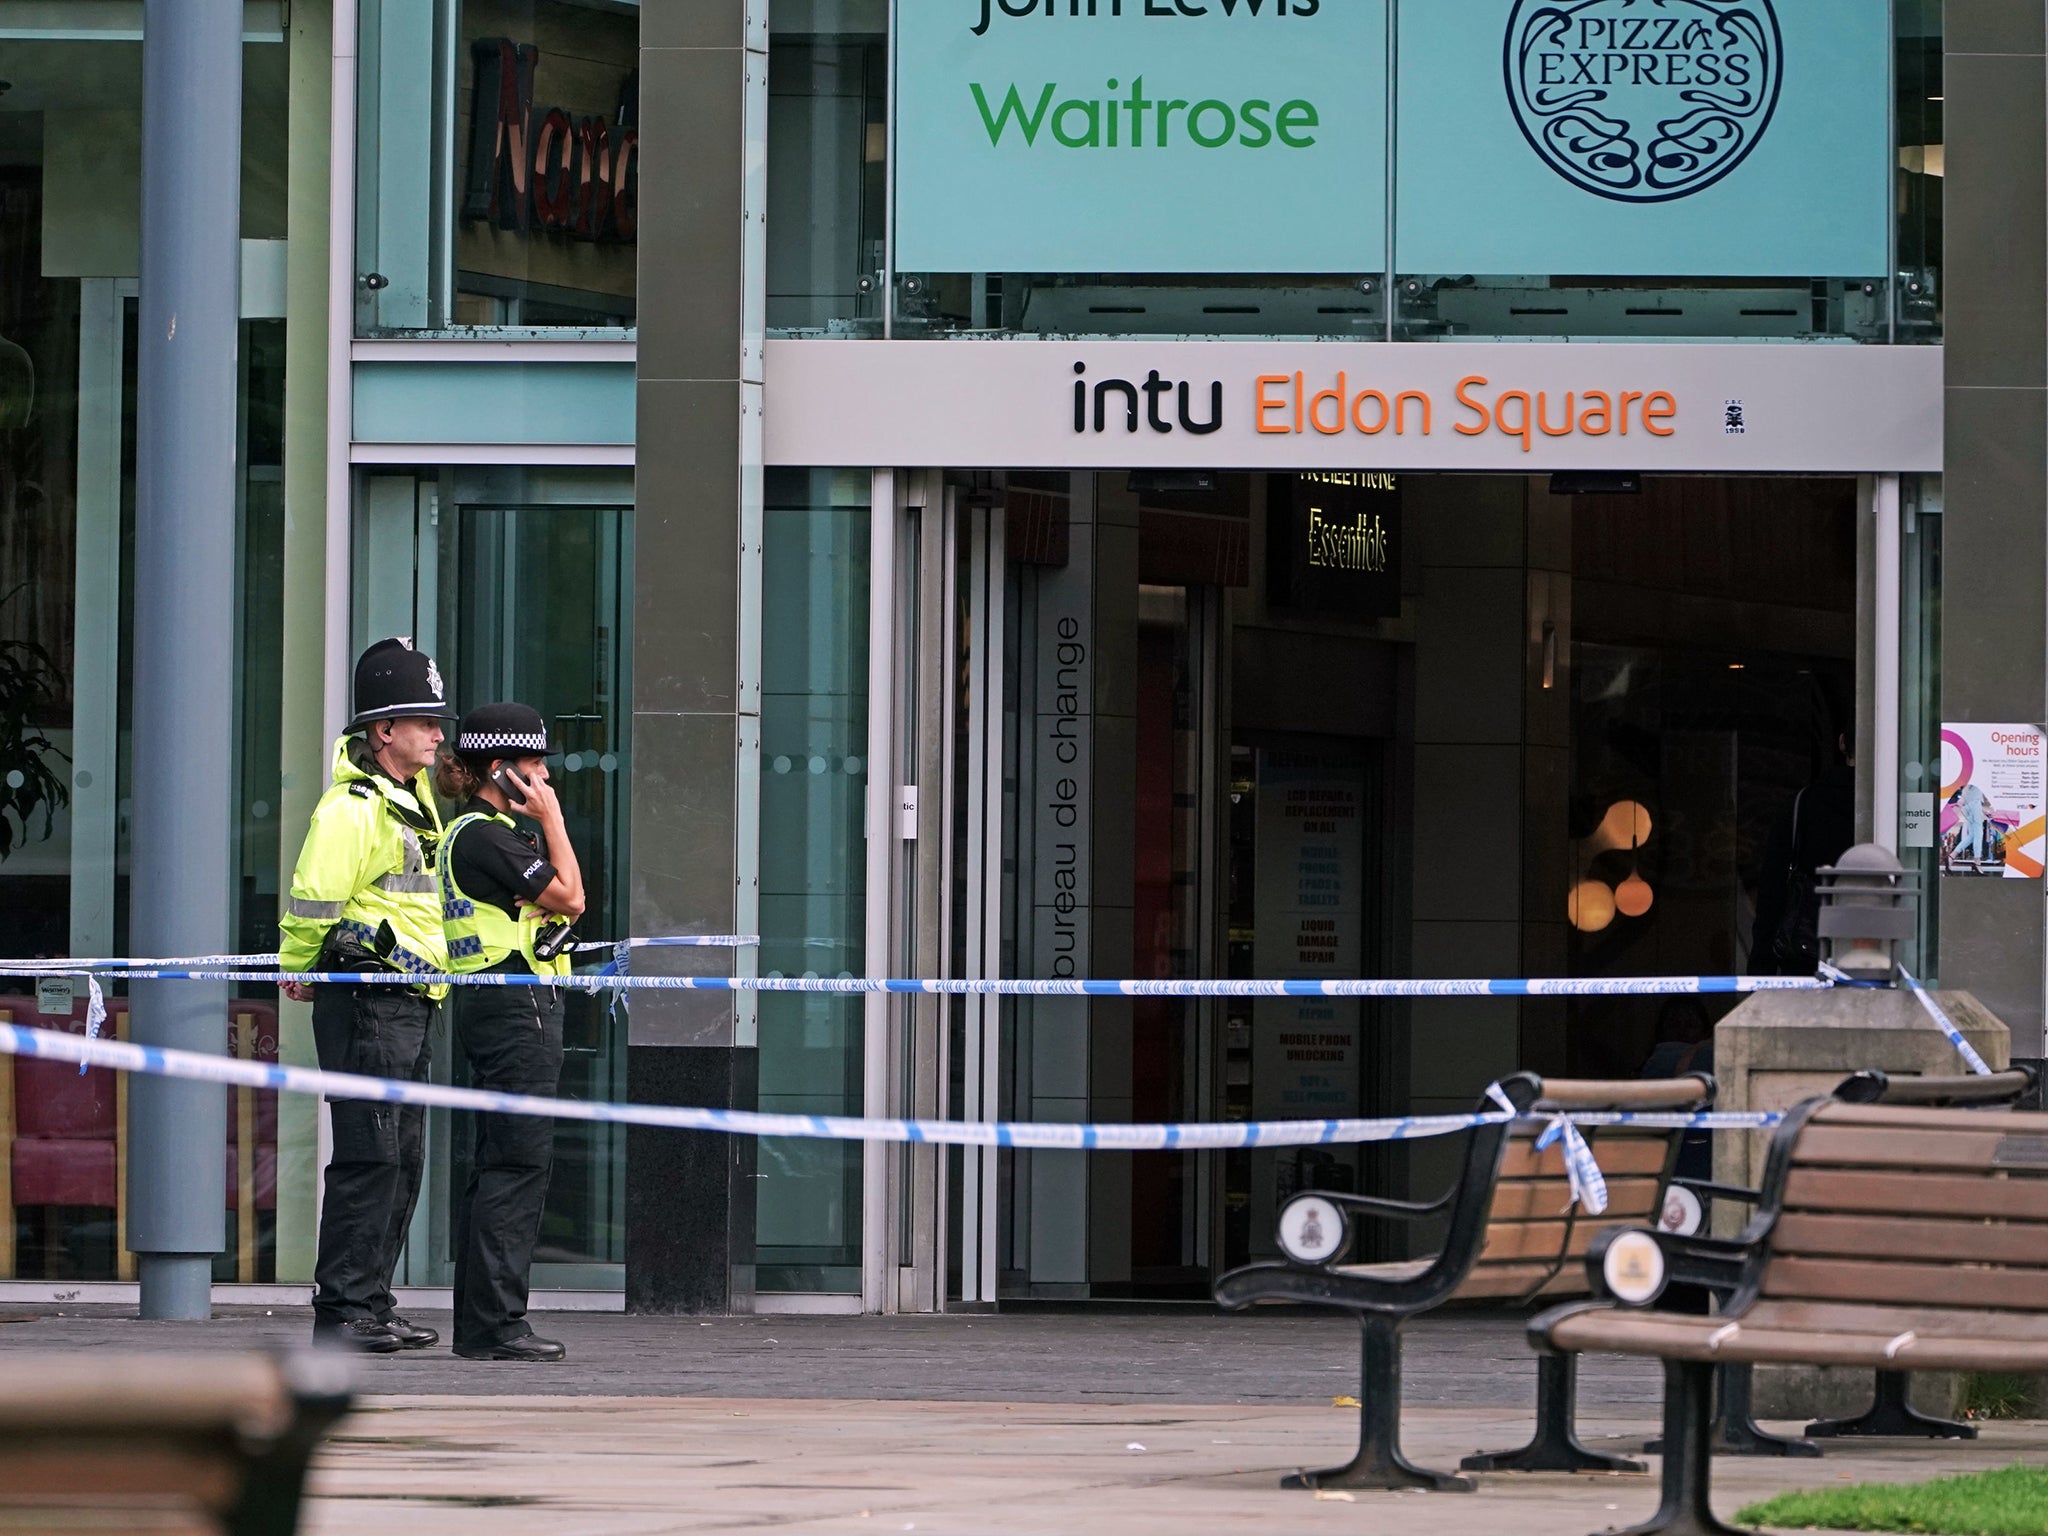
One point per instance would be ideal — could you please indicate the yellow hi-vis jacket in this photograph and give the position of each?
(368, 860)
(480, 935)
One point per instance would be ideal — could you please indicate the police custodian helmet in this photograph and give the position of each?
(396, 682)
(502, 730)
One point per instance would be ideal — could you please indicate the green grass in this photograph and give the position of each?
(2010, 1502)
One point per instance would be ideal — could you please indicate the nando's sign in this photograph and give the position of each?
(542, 168)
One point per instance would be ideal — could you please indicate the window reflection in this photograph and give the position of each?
(498, 165)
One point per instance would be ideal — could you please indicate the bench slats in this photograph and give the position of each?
(1858, 1317)
(1615, 1154)
(1688, 1338)
(1874, 1147)
(1525, 1240)
(1916, 1194)
(1491, 1282)
(1888, 1237)
(1857, 1280)
(1888, 1117)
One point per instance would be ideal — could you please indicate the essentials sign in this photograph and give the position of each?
(1141, 135)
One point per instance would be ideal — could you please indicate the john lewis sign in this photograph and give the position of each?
(1141, 135)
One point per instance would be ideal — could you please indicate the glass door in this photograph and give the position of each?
(519, 582)
(543, 608)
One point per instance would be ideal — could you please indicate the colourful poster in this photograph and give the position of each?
(1994, 793)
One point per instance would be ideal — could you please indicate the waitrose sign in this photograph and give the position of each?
(1129, 136)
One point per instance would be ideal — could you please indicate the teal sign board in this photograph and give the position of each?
(1738, 138)
(1129, 136)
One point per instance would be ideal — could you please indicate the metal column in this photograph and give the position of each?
(184, 627)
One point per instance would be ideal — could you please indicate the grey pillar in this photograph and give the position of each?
(1473, 761)
(696, 638)
(1995, 534)
(184, 627)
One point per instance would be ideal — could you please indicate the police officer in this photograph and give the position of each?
(364, 897)
(508, 904)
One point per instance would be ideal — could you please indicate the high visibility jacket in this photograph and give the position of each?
(368, 860)
(480, 935)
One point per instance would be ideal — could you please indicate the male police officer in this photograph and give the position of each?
(364, 898)
(508, 905)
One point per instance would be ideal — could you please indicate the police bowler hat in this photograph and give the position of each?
(503, 730)
(396, 682)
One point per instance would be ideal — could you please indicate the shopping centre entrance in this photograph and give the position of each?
(1179, 724)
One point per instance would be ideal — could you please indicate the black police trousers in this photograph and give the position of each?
(513, 1039)
(373, 1181)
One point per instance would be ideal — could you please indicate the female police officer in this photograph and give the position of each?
(506, 906)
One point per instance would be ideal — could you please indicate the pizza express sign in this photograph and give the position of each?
(1644, 102)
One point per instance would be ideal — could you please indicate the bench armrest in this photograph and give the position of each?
(1715, 1191)
(1393, 1210)
(1712, 1263)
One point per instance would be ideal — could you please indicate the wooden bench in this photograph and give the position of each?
(214, 1443)
(1887, 1238)
(1513, 1235)
(1736, 1432)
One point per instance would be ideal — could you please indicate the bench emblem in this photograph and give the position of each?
(1311, 1229)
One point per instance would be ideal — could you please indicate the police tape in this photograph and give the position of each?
(159, 1061)
(127, 965)
(1936, 1012)
(603, 981)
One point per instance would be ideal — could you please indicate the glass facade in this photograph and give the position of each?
(1922, 842)
(519, 582)
(1691, 689)
(70, 180)
(1458, 212)
(497, 166)
(814, 742)
(827, 195)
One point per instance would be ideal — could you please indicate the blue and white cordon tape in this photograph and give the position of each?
(1940, 1016)
(604, 981)
(1589, 1185)
(126, 1056)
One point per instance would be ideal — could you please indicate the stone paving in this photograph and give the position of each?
(1189, 1355)
(1132, 1423)
(441, 1466)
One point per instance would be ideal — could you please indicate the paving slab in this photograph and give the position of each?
(1133, 1423)
(610, 1466)
(1191, 1355)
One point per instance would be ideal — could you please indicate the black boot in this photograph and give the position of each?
(529, 1347)
(409, 1335)
(364, 1334)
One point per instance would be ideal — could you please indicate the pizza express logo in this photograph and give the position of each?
(1644, 101)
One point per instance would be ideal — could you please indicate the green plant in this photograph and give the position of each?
(1995, 1395)
(28, 786)
(2012, 1501)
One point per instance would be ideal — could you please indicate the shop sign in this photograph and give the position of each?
(1740, 138)
(1333, 544)
(1141, 135)
(1526, 407)
(543, 167)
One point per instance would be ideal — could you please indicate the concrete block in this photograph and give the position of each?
(1780, 1048)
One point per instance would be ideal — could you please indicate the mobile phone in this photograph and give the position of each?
(510, 785)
